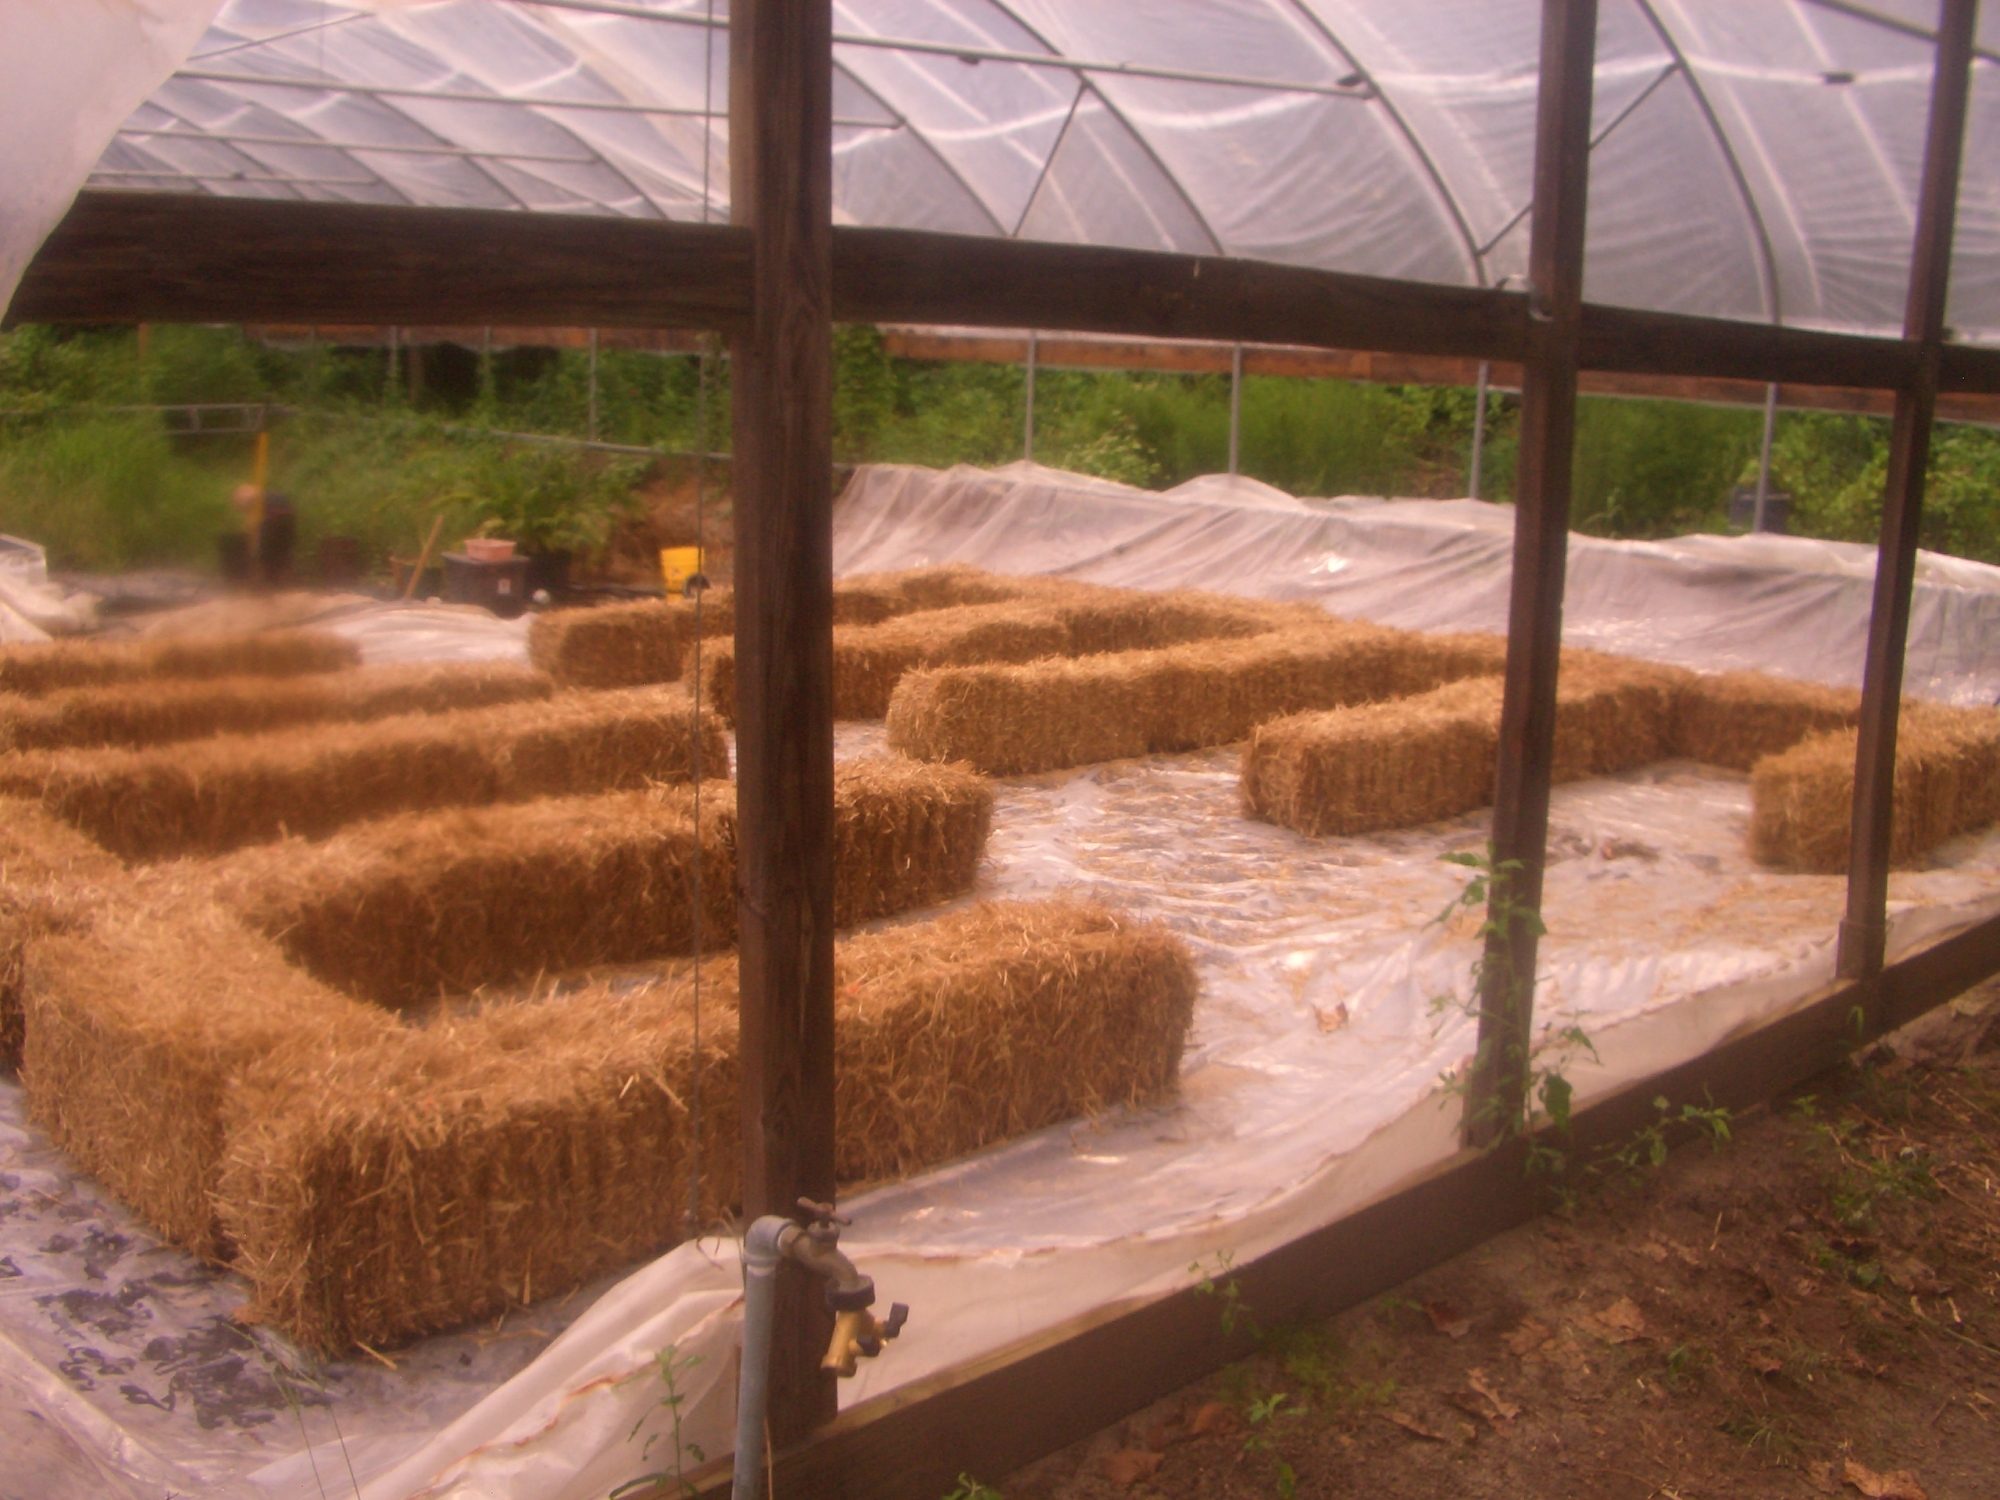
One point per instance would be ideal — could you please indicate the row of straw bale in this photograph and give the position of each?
(1947, 782)
(1053, 618)
(211, 795)
(425, 1179)
(1735, 719)
(139, 1022)
(1413, 760)
(646, 640)
(132, 714)
(402, 909)
(50, 666)
(50, 875)
(1008, 720)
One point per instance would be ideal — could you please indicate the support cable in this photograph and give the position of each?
(698, 585)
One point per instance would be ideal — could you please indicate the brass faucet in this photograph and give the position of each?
(857, 1333)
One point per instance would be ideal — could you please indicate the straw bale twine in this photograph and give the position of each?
(219, 793)
(152, 713)
(48, 666)
(1947, 782)
(437, 1176)
(1735, 719)
(137, 1024)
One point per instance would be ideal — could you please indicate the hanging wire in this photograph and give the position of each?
(700, 587)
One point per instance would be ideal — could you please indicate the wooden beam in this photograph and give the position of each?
(1866, 923)
(992, 1415)
(1632, 341)
(908, 276)
(174, 258)
(781, 181)
(1498, 1082)
(132, 257)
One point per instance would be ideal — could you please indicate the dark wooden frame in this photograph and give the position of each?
(120, 257)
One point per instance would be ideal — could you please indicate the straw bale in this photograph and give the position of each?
(1735, 719)
(49, 876)
(1413, 760)
(869, 660)
(1947, 782)
(906, 834)
(210, 795)
(1007, 720)
(401, 909)
(153, 713)
(441, 1175)
(137, 1025)
(647, 640)
(624, 645)
(47, 667)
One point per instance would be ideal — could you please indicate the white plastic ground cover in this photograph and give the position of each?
(1310, 1088)
(31, 607)
(1791, 605)
(1756, 161)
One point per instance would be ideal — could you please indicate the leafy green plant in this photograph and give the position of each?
(969, 1488)
(674, 1367)
(1537, 1114)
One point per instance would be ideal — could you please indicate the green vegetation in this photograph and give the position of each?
(373, 452)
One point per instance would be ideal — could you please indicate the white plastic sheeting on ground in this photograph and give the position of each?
(1332, 1001)
(418, 630)
(1783, 604)
(31, 607)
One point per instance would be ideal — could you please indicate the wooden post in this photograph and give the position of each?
(781, 176)
(1864, 931)
(1498, 1082)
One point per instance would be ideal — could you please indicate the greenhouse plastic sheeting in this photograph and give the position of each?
(1757, 161)
(1332, 1002)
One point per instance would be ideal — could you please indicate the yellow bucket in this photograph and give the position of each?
(677, 565)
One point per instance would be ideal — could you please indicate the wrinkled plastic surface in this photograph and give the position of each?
(31, 607)
(1332, 1001)
(1791, 605)
(1756, 161)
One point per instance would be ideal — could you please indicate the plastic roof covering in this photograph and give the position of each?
(1751, 160)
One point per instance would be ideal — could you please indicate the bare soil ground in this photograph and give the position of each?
(1809, 1307)
(679, 507)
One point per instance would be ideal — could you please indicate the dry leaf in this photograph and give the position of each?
(1503, 1409)
(1210, 1416)
(1620, 1323)
(1448, 1320)
(1412, 1426)
(1130, 1465)
(1527, 1337)
(1766, 1364)
(1819, 1474)
(1899, 1484)
(1331, 1018)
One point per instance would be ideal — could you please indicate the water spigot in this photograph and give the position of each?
(859, 1335)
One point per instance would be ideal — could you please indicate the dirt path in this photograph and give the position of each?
(1808, 1307)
